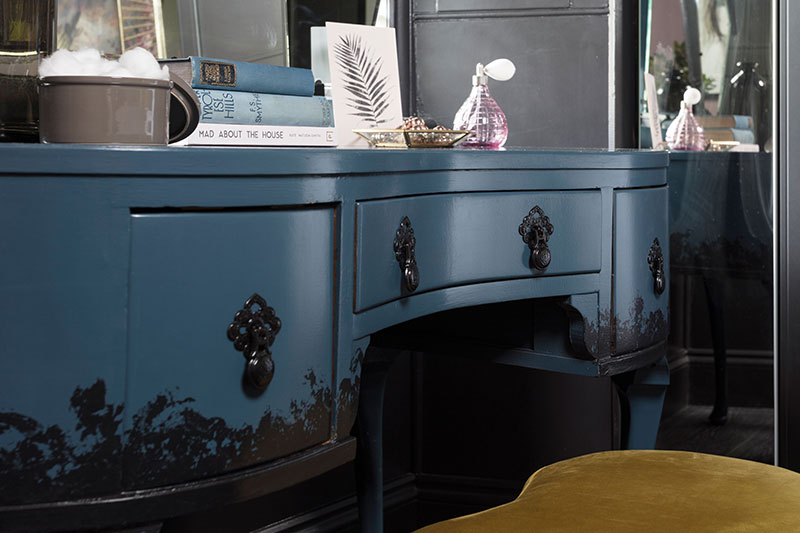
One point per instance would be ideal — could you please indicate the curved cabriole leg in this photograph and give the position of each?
(369, 431)
(642, 396)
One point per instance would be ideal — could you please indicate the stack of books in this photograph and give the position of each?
(727, 128)
(251, 104)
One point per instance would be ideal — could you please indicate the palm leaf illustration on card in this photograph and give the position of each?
(368, 95)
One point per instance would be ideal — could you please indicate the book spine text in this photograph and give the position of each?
(232, 107)
(251, 77)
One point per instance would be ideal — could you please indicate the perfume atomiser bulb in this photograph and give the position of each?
(499, 69)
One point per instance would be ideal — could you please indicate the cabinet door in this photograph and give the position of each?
(190, 410)
(641, 310)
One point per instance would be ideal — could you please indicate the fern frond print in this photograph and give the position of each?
(363, 80)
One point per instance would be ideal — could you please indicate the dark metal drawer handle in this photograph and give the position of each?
(655, 258)
(536, 230)
(404, 243)
(252, 333)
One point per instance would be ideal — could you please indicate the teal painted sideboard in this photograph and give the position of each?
(186, 327)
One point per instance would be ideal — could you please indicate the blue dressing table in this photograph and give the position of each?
(188, 327)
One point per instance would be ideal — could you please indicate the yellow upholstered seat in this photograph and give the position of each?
(646, 491)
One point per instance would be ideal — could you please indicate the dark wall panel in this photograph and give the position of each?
(559, 95)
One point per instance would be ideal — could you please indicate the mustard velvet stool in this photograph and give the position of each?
(646, 491)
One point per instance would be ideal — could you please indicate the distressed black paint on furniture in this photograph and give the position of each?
(591, 337)
(163, 503)
(641, 328)
(170, 441)
(47, 463)
(349, 387)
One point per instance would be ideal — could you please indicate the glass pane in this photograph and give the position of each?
(721, 219)
(27, 34)
(275, 32)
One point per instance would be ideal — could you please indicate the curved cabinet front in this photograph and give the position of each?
(469, 238)
(191, 411)
(641, 309)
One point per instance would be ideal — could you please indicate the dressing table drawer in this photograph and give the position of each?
(469, 238)
(192, 408)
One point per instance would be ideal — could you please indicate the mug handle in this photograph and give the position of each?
(184, 109)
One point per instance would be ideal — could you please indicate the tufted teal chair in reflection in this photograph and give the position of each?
(645, 491)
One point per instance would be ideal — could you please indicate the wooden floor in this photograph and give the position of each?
(748, 434)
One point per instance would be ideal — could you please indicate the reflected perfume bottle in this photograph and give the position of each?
(479, 113)
(685, 133)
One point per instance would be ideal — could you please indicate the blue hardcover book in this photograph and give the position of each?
(739, 122)
(206, 73)
(231, 107)
(730, 134)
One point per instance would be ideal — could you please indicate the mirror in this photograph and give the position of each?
(275, 32)
(107, 24)
(721, 351)
(723, 48)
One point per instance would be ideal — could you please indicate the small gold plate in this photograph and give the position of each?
(392, 138)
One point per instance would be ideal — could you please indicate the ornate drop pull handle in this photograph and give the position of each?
(404, 243)
(253, 332)
(536, 230)
(655, 258)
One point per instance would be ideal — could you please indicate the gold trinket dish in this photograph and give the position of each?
(412, 138)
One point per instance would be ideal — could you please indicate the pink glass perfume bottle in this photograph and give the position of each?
(479, 113)
(685, 133)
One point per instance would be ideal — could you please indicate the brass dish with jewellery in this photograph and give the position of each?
(412, 138)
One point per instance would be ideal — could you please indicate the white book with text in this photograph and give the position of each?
(210, 134)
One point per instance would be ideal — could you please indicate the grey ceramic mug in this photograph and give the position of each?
(106, 110)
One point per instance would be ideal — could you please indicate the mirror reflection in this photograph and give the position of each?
(722, 48)
(275, 32)
(721, 222)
